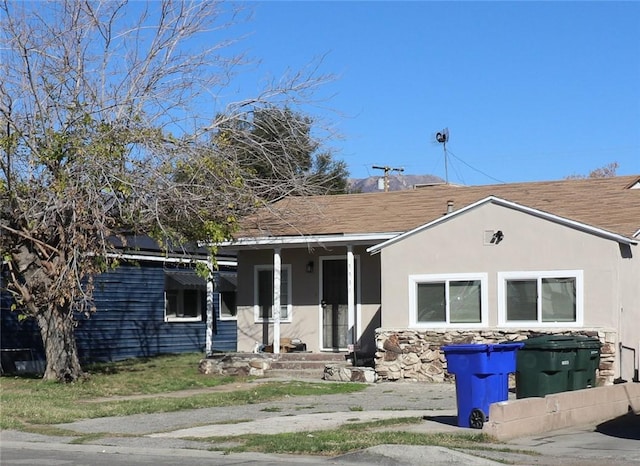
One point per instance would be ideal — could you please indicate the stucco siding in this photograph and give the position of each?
(529, 244)
(305, 295)
(629, 309)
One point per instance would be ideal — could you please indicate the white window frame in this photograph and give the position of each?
(415, 280)
(175, 318)
(256, 306)
(218, 299)
(538, 275)
(222, 316)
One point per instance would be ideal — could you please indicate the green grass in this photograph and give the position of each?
(31, 404)
(271, 409)
(351, 437)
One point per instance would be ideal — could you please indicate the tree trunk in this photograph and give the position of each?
(57, 331)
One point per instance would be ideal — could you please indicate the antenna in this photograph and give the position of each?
(443, 137)
(387, 169)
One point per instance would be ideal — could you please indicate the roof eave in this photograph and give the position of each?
(299, 240)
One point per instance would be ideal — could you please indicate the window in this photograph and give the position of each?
(263, 279)
(184, 296)
(227, 305)
(544, 298)
(226, 284)
(448, 300)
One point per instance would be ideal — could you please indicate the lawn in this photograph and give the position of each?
(30, 404)
(144, 386)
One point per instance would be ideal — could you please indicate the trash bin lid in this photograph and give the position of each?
(588, 342)
(512, 346)
(550, 342)
(481, 348)
(465, 348)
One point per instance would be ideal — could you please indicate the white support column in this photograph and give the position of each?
(351, 297)
(210, 315)
(277, 269)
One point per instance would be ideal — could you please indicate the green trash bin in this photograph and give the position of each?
(543, 365)
(583, 375)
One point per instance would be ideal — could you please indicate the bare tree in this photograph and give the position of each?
(606, 171)
(108, 112)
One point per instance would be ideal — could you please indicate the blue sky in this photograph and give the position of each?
(528, 90)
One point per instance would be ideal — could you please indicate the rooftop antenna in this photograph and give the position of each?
(443, 137)
(387, 169)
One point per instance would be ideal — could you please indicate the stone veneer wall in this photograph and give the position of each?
(415, 355)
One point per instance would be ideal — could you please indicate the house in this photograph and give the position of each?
(152, 303)
(399, 274)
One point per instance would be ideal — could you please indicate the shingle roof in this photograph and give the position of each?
(605, 203)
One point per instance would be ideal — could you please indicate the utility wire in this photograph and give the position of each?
(475, 169)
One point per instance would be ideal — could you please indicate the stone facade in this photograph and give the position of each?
(415, 355)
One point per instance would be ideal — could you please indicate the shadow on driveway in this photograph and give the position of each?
(447, 420)
(627, 427)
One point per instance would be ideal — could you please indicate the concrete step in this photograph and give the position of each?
(305, 374)
(303, 365)
(300, 365)
(304, 356)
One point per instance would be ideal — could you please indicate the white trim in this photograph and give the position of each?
(414, 280)
(174, 320)
(210, 318)
(512, 205)
(351, 318)
(178, 260)
(256, 307)
(537, 275)
(275, 309)
(310, 239)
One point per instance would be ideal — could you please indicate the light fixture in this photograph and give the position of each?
(310, 267)
(497, 237)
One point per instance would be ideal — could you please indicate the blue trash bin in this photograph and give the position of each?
(482, 377)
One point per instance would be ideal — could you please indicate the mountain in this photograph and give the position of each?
(396, 182)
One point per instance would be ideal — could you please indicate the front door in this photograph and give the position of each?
(335, 318)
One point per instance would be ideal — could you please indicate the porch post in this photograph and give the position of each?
(351, 314)
(277, 268)
(210, 316)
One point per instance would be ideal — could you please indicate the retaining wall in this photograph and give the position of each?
(531, 416)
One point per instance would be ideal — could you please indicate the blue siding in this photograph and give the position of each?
(225, 332)
(17, 334)
(129, 321)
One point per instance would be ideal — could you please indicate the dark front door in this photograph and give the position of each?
(334, 304)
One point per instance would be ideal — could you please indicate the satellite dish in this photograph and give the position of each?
(442, 136)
